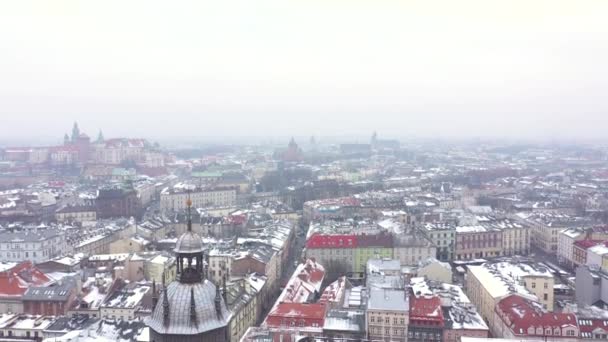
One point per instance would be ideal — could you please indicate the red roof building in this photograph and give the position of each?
(426, 311)
(297, 315)
(593, 328)
(293, 152)
(15, 281)
(519, 317)
(579, 250)
(334, 293)
(296, 305)
(426, 321)
(332, 241)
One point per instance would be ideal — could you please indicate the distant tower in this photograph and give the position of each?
(313, 143)
(293, 152)
(75, 132)
(100, 137)
(66, 139)
(292, 143)
(374, 138)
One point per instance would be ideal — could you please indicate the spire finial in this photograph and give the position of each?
(165, 303)
(189, 205)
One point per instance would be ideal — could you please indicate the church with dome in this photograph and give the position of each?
(192, 307)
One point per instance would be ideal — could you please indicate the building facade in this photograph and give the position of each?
(387, 315)
(37, 246)
(174, 199)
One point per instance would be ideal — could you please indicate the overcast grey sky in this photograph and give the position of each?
(325, 67)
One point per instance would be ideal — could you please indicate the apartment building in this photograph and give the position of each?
(387, 315)
(174, 199)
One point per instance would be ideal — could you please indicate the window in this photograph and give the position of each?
(395, 320)
(387, 320)
(372, 319)
(546, 296)
(533, 285)
(546, 285)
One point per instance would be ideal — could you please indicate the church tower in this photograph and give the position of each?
(75, 132)
(190, 308)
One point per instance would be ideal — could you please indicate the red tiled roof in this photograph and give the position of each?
(587, 243)
(304, 311)
(589, 326)
(237, 219)
(332, 241)
(523, 314)
(15, 281)
(334, 292)
(426, 309)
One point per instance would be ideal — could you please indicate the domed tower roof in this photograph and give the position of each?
(189, 242)
(191, 306)
(189, 309)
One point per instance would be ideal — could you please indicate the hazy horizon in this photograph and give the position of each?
(269, 69)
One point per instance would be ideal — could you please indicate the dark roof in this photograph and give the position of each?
(76, 209)
(380, 240)
(27, 236)
(179, 319)
(58, 293)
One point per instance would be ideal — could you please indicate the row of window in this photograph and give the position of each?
(19, 255)
(424, 335)
(387, 320)
(10, 334)
(387, 331)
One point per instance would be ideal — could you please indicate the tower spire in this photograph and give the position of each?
(75, 132)
(100, 137)
(165, 303)
(189, 205)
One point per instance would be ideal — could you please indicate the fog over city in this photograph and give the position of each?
(215, 69)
